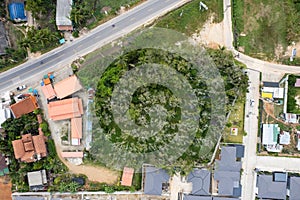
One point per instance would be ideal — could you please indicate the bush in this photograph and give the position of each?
(75, 34)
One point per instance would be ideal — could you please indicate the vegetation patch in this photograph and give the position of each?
(154, 94)
(264, 28)
(293, 94)
(189, 19)
(236, 120)
(14, 128)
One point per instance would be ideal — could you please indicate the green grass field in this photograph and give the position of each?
(188, 19)
(268, 27)
(236, 120)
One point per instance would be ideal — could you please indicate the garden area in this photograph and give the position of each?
(14, 128)
(189, 19)
(293, 104)
(235, 121)
(264, 28)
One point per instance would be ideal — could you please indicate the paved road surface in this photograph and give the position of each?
(98, 37)
(251, 128)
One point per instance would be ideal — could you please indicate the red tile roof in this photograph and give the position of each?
(48, 91)
(76, 128)
(72, 154)
(28, 146)
(65, 109)
(24, 106)
(127, 176)
(67, 87)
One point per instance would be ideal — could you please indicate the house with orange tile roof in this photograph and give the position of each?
(24, 106)
(127, 176)
(48, 91)
(76, 131)
(67, 87)
(65, 109)
(30, 148)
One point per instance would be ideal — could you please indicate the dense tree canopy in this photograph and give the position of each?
(155, 94)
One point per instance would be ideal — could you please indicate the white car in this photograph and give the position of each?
(21, 87)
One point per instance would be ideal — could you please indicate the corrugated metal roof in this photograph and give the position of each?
(63, 11)
(16, 11)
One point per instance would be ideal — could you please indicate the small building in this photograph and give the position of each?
(3, 166)
(48, 91)
(65, 109)
(270, 134)
(269, 188)
(69, 154)
(67, 87)
(294, 188)
(297, 84)
(4, 115)
(200, 179)
(37, 180)
(25, 106)
(156, 181)
(290, 118)
(227, 172)
(273, 92)
(30, 148)
(270, 84)
(17, 11)
(284, 138)
(63, 12)
(270, 137)
(127, 176)
(76, 130)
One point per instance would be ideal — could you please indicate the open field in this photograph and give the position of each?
(236, 120)
(188, 19)
(264, 28)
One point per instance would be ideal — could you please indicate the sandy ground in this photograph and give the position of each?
(5, 189)
(211, 34)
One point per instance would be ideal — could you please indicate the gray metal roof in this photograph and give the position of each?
(227, 181)
(271, 84)
(37, 178)
(224, 198)
(154, 178)
(294, 188)
(228, 160)
(269, 189)
(63, 11)
(200, 179)
(240, 150)
(28, 198)
(280, 176)
(193, 197)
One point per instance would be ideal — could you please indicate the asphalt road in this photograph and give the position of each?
(98, 37)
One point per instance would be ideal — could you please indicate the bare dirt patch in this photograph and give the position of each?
(5, 188)
(211, 34)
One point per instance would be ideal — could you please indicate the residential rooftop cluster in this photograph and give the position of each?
(222, 183)
(277, 185)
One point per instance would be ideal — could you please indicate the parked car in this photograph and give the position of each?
(21, 87)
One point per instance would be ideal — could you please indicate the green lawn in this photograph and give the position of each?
(191, 20)
(236, 120)
(269, 26)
